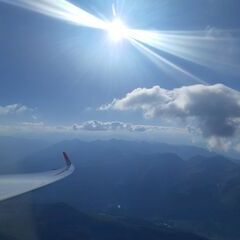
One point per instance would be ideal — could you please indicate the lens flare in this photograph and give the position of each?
(117, 30)
(211, 48)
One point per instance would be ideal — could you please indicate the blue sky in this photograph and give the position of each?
(62, 73)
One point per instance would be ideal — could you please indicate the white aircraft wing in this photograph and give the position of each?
(17, 184)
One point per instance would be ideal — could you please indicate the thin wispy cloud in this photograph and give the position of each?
(14, 109)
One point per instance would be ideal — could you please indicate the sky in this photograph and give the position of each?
(174, 78)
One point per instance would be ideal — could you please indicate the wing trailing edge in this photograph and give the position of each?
(17, 184)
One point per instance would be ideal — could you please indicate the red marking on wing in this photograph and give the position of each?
(66, 158)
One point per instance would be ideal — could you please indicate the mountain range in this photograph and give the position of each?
(144, 180)
(62, 222)
(188, 187)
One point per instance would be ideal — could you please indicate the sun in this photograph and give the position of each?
(117, 30)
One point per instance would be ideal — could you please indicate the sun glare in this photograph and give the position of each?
(117, 30)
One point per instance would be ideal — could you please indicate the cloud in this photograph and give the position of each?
(33, 124)
(213, 111)
(13, 109)
(95, 125)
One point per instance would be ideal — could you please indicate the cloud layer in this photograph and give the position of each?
(213, 111)
(89, 126)
(95, 125)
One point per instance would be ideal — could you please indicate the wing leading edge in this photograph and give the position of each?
(17, 184)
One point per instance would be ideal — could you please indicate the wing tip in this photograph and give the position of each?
(67, 159)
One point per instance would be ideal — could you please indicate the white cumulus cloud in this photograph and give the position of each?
(213, 111)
